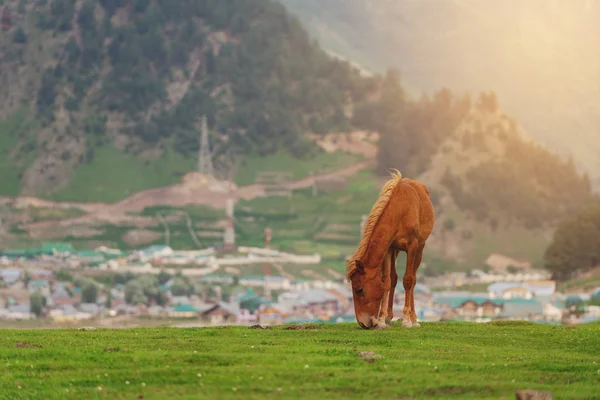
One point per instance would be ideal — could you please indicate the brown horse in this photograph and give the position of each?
(401, 219)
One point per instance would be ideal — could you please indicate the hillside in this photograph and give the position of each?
(101, 124)
(538, 56)
(90, 85)
(333, 361)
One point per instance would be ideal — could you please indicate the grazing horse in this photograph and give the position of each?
(401, 219)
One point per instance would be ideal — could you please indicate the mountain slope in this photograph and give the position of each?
(90, 76)
(538, 56)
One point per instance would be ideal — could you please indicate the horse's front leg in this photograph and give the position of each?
(393, 283)
(387, 286)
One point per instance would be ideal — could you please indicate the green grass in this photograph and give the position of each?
(113, 175)
(45, 214)
(299, 168)
(515, 242)
(296, 221)
(438, 360)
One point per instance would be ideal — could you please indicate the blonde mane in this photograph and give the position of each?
(374, 215)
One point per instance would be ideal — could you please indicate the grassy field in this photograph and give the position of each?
(319, 162)
(439, 360)
(113, 174)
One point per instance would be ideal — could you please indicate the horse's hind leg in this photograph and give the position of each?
(417, 263)
(408, 282)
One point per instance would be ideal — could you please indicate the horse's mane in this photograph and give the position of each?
(376, 211)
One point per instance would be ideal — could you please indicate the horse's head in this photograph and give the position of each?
(367, 292)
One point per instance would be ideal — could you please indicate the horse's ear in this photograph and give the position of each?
(360, 267)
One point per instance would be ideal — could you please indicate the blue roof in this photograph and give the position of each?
(185, 308)
(10, 272)
(10, 275)
(454, 302)
(39, 283)
(500, 287)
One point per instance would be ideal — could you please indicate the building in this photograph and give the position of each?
(524, 290)
(183, 311)
(270, 315)
(523, 309)
(477, 308)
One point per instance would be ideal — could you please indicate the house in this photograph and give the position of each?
(541, 288)
(154, 252)
(517, 292)
(41, 285)
(270, 315)
(553, 311)
(246, 317)
(524, 290)
(219, 313)
(59, 301)
(469, 306)
(41, 274)
(310, 303)
(18, 312)
(430, 314)
(90, 308)
(184, 311)
(124, 309)
(344, 297)
(523, 309)
(10, 276)
(476, 308)
(272, 282)
(218, 279)
(156, 311)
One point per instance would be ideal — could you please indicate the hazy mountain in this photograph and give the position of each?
(540, 56)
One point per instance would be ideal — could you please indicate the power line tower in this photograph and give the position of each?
(268, 234)
(205, 165)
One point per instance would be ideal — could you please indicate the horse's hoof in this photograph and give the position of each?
(407, 324)
(416, 325)
(388, 322)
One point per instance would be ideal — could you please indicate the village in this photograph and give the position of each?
(59, 286)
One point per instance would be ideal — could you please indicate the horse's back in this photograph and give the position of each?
(422, 200)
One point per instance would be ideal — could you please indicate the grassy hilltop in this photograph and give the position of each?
(441, 360)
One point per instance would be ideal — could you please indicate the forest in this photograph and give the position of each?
(251, 69)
